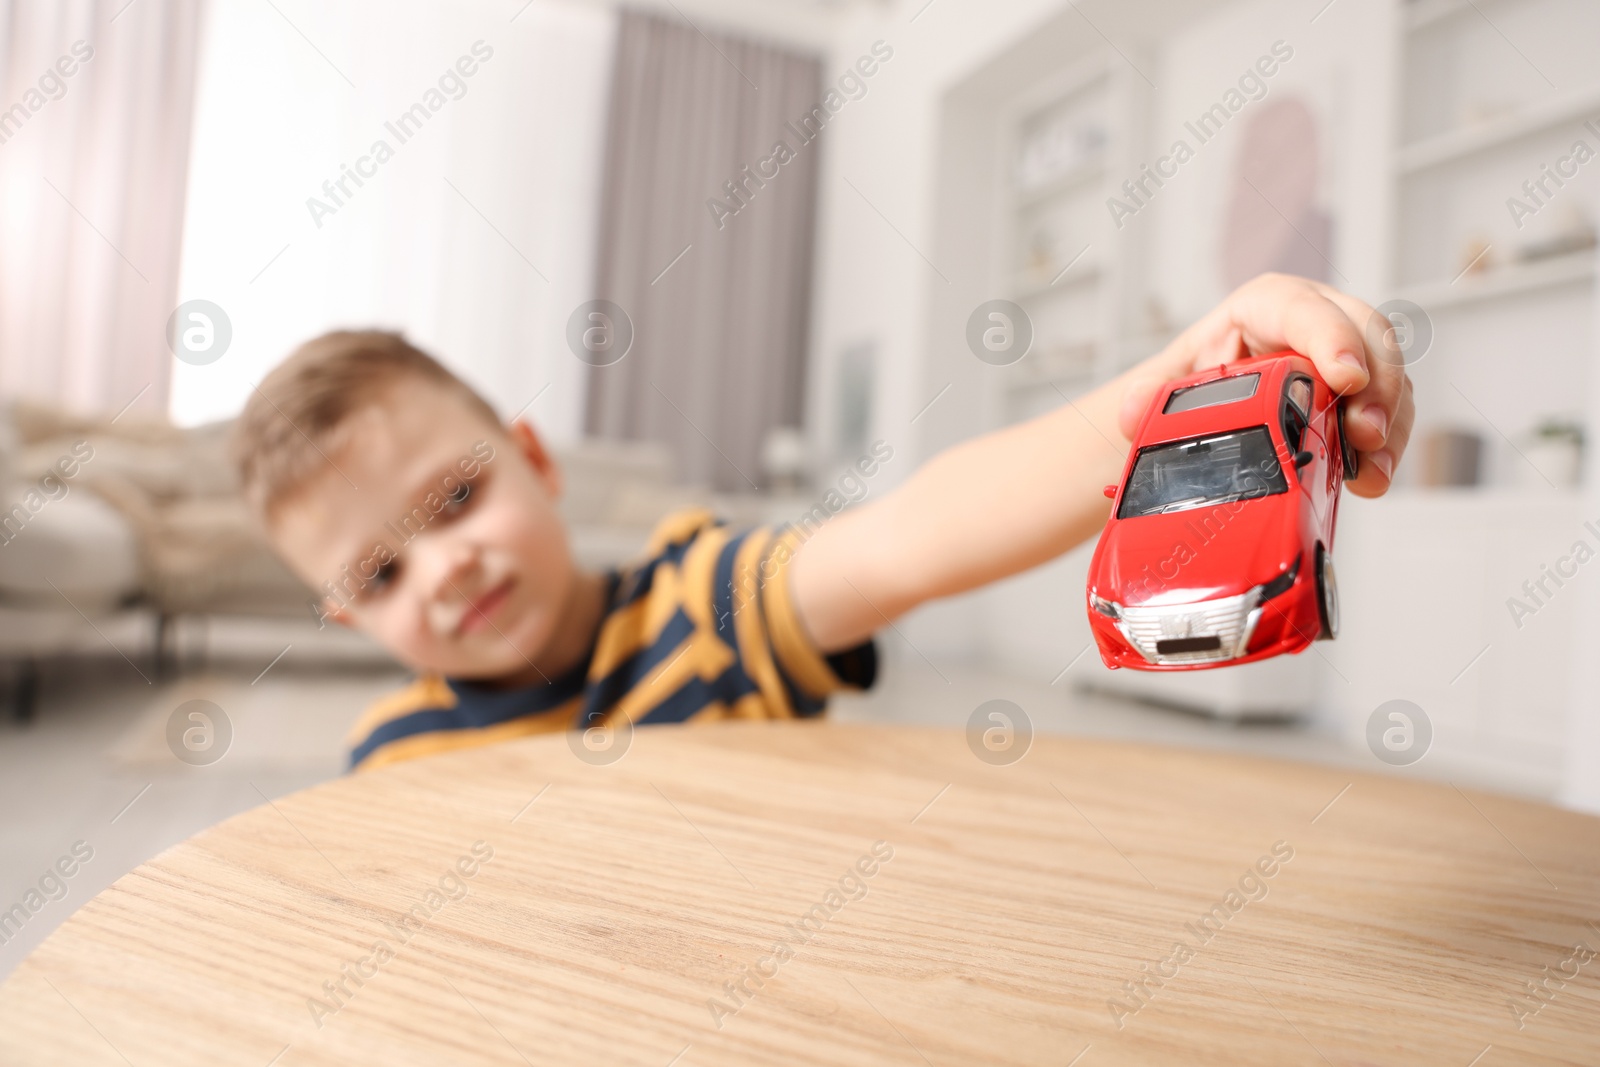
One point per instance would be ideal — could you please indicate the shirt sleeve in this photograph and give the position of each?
(807, 674)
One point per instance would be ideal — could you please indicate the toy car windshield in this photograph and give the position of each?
(1201, 472)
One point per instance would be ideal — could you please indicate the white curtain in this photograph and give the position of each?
(476, 237)
(94, 144)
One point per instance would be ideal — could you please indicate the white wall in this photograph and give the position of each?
(873, 281)
(1580, 783)
(460, 272)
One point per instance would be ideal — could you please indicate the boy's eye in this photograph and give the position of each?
(456, 502)
(387, 573)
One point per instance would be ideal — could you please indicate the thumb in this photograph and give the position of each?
(1224, 348)
(1135, 401)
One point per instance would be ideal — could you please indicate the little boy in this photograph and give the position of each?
(396, 492)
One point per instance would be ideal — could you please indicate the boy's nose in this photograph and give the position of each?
(447, 571)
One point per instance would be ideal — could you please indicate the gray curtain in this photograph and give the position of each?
(719, 338)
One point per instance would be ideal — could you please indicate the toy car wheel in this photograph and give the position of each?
(1327, 596)
(1350, 460)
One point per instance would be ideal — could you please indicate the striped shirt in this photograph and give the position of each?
(702, 628)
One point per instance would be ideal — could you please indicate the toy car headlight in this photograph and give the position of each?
(1281, 584)
(1105, 607)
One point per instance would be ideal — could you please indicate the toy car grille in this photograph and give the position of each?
(1205, 632)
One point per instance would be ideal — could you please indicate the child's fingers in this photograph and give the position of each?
(1336, 331)
(1377, 467)
(1372, 412)
(1278, 311)
(1349, 342)
(1217, 348)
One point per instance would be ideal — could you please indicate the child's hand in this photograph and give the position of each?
(1350, 343)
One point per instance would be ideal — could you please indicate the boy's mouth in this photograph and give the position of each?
(478, 613)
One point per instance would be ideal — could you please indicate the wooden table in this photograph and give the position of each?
(1011, 915)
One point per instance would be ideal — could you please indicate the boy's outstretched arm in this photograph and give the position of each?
(1012, 499)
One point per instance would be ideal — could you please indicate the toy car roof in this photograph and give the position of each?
(1228, 397)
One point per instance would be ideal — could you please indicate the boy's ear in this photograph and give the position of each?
(532, 448)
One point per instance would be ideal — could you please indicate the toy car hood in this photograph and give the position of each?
(1186, 556)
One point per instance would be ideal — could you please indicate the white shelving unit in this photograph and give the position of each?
(1053, 256)
(1479, 118)
(1430, 570)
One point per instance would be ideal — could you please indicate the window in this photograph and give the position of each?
(1296, 411)
(1210, 394)
(1299, 393)
(409, 249)
(1202, 471)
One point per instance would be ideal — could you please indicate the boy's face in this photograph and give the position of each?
(439, 534)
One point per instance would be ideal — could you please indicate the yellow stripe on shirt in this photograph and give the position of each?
(425, 693)
(676, 528)
(794, 648)
(639, 625)
(754, 651)
(434, 741)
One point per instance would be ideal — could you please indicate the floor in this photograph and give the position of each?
(96, 767)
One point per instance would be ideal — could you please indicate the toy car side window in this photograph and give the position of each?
(1296, 411)
(1299, 393)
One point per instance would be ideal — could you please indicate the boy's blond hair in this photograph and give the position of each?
(293, 422)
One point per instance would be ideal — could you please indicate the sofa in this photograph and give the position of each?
(124, 527)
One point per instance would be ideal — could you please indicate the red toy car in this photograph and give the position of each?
(1219, 548)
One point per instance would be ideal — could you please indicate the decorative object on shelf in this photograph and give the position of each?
(1065, 361)
(783, 458)
(1575, 233)
(1556, 450)
(1484, 112)
(1058, 148)
(1041, 251)
(1452, 458)
(1477, 256)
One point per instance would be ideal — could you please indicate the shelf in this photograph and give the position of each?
(1447, 147)
(1491, 499)
(1135, 347)
(1074, 80)
(1070, 377)
(1505, 281)
(1065, 363)
(1029, 286)
(1423, 13)
(1077, 177)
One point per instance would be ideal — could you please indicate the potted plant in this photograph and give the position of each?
(1557, 450)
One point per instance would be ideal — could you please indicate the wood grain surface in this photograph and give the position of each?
(1012, 915)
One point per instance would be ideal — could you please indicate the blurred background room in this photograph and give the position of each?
(780, 215)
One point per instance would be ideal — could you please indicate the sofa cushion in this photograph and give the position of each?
(77, 541)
